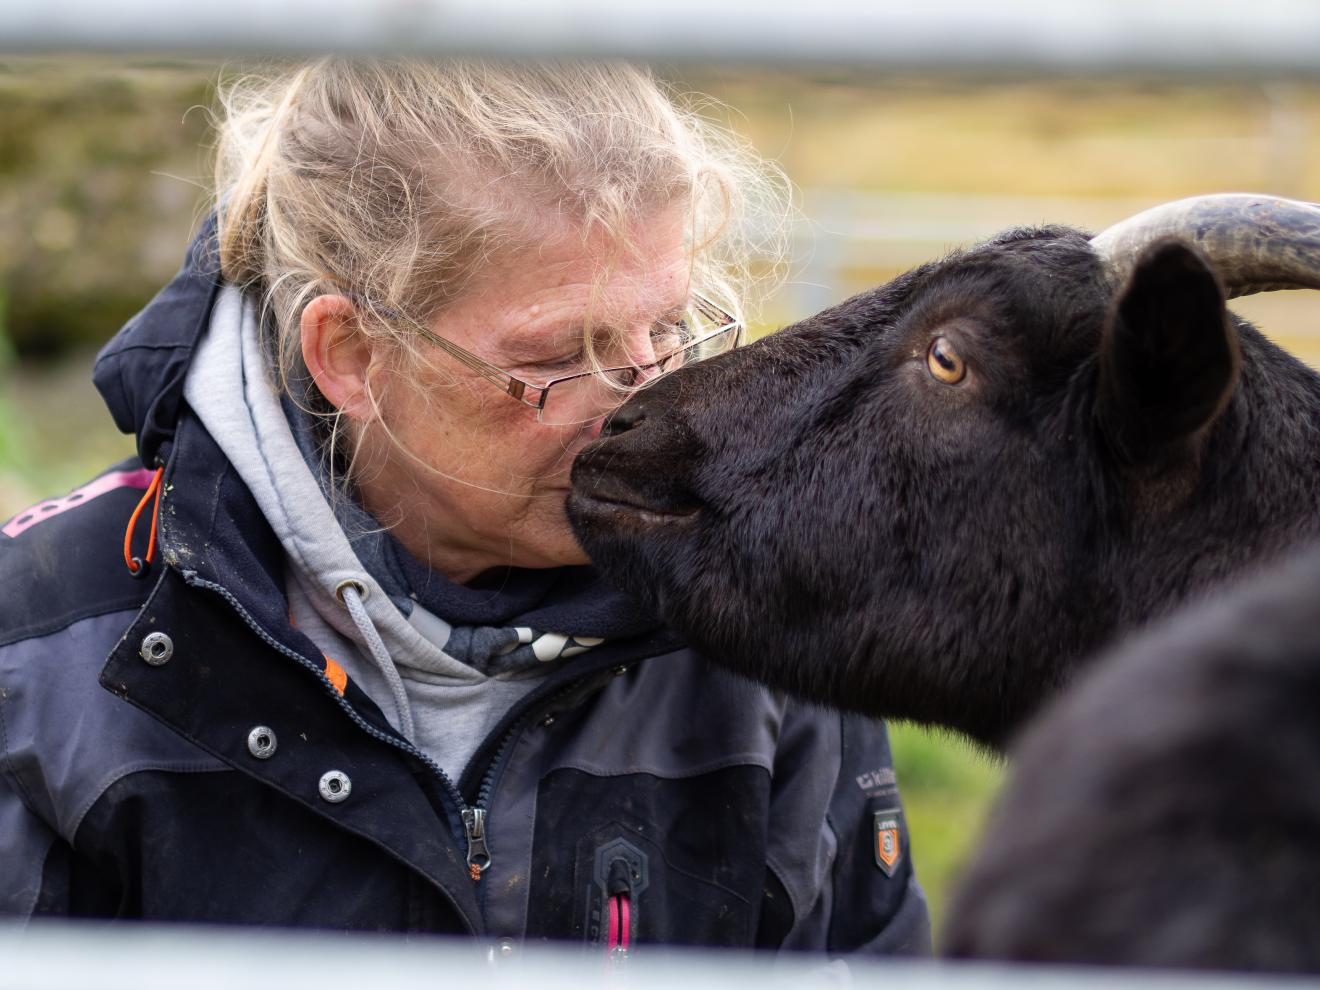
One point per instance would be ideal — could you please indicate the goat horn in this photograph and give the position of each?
(1256, 243)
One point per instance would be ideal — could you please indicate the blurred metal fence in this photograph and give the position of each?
(1263, 37)
(850, 241)
(73, 957)
(848, 237)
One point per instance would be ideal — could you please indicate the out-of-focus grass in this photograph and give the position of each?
(55, 433)
(1084, 137)
(947, 786)
(14, 462)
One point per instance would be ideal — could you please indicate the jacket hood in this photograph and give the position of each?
(140, 372)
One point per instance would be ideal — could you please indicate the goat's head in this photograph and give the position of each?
(924, 502)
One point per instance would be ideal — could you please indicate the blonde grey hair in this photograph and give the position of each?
(402, 179)
(399, 181)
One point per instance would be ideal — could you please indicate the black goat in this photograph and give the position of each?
(1165, 810)
(934, 500)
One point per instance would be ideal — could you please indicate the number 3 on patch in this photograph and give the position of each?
(888, 839)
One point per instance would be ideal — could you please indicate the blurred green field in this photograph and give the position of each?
(947, 787)
(102, 167)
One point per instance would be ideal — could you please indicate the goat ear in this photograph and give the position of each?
(1170, 357)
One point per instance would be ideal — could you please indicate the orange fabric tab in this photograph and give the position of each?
(338, 676)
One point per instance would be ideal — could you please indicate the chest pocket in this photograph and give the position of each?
(679, 862)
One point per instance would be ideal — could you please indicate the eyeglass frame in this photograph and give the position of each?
(516, 388)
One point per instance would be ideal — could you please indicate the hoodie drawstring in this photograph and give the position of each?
(351, 594)
(139, 566)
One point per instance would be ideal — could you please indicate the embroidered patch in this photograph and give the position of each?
(888, 839)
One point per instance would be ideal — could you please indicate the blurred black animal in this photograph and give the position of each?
(934, 500)
(1165, 811)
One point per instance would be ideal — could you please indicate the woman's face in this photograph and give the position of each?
(479, 482)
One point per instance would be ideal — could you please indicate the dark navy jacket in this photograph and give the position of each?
(130, 787)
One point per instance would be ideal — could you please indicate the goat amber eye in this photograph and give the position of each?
(944, 362)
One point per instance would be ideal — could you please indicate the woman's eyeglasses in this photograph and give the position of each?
(704, 331)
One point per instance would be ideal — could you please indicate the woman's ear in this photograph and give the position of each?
(337, 354)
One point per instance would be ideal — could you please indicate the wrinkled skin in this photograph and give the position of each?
(819, 512)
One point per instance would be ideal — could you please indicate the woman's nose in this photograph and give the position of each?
(643, 348)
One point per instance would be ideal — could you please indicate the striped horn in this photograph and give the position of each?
(1256, 243)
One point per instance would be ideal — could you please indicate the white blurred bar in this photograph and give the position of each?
(53, 956)
(1260, 37)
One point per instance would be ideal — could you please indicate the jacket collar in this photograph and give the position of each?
(140, 372)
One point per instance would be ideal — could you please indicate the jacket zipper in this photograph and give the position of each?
(478, 853)
(473, 817)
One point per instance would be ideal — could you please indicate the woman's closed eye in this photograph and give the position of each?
(665, 338)
(564, 365)
(551, 359)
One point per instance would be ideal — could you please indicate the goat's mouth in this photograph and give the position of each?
(613, 511)
(604, 501)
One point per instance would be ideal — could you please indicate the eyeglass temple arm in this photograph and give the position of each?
(499, 376)
(514, 386)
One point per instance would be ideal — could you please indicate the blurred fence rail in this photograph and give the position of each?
(55, 956)
(1266, 37)
(854, 240)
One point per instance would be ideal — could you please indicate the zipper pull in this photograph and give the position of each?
(618, 885)
(478, 855)
(620, 934)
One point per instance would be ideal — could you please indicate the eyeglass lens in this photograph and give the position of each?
(589, 397)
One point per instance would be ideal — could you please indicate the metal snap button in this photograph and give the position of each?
(156, 648)
(262, 742)
(335, 786)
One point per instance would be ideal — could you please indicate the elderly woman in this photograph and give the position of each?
(359, 673)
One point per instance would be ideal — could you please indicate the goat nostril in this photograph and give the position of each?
(623, 419)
